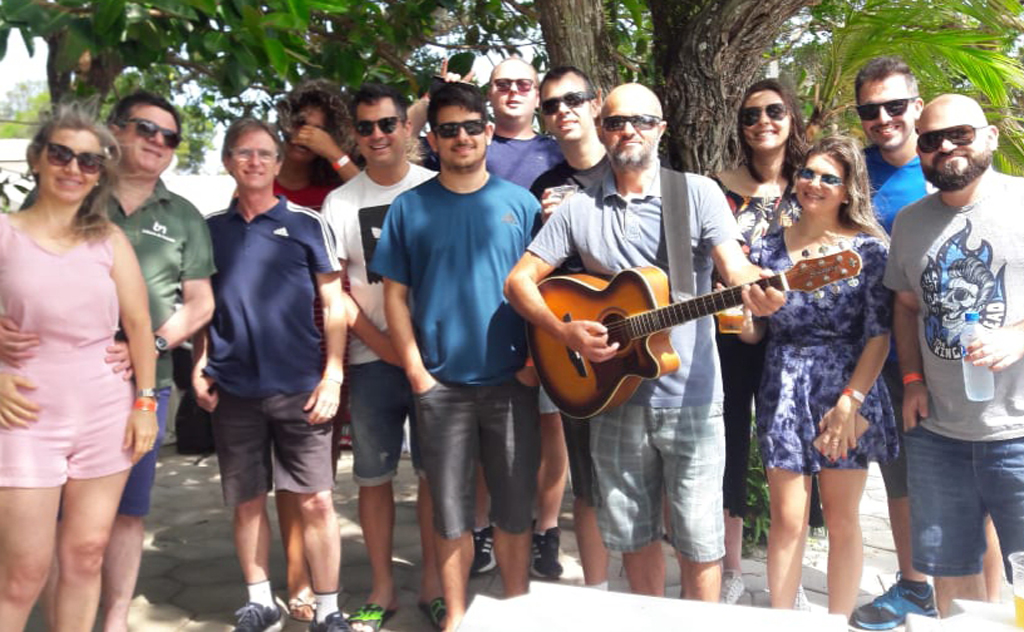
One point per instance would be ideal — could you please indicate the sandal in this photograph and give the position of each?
(436, 612)
(303, 607)
(371, 615)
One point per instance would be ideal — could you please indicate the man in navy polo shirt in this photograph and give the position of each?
(258, 370)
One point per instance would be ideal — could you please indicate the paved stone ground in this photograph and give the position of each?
(190, 579)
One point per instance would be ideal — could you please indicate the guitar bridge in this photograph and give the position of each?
(574, 356)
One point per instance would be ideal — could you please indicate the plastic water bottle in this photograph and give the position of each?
(978, 380)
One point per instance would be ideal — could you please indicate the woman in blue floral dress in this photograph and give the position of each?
(822, 408)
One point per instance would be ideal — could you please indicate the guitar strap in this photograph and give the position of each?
(675, 226)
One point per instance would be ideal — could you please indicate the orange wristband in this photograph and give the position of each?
(910, 378)
(145, 404)
(857, 396)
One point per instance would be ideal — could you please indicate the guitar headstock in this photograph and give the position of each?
(811, 274)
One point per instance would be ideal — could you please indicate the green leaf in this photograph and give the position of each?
(4, 34)
(108, 13)
(276, 54)
(284, 21)
(461, 63)
(208, 7)
(72, 45)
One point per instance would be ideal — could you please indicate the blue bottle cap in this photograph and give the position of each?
(971, 317)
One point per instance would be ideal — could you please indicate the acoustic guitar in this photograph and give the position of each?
(634, 306)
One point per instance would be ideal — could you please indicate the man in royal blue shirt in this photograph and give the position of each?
(258, 370)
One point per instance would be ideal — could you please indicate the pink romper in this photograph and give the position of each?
(70, 300)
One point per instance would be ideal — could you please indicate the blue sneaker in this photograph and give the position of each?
(891, 608)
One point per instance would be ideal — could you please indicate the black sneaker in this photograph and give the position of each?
(483, 551)
(545, 554)
(254, 617)
(335, 622)
(891, 608)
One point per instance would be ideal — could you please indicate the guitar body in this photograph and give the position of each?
(583, 389)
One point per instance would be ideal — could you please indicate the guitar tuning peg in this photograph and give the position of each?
(818, 295)
(853, 282)
(835, 289)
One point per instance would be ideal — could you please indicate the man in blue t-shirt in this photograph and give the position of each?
(445, 250)
(668, 439)
(888, 106)
(258, 371)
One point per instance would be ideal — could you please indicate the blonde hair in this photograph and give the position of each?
(91, 221)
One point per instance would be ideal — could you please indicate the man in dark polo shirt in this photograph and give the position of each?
(173, 247)
(258, 370)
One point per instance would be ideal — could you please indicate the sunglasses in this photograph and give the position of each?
(61, 156)
(473, 127)
(521, 85)
(148, 129)
(775, 111)
(640, 122)
(959, 135)
(387, 125)
(571, 100)
(870, 111)
(829, 179)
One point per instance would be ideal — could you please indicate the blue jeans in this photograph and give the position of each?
(380, 400)
(953, 484)
(139, 488)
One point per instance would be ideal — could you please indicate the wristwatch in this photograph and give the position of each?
(146, 392)
(161, 343)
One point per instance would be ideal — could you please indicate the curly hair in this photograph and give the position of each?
(857, 213)
(329, 99)
(91, 221)
(796, 144)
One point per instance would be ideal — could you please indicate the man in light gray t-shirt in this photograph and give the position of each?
(956, 251)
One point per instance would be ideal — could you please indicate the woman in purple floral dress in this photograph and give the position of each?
(822, 408)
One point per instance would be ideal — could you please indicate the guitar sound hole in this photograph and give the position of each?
(616, 329)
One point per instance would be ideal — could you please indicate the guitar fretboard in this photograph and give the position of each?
(655, 320)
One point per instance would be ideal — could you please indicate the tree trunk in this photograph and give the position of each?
(707, 53)
(575, 34)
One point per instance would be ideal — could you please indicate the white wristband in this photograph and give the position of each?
(340, 163)
(855, 394)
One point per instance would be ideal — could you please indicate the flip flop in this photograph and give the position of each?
(436, 611)
(371, 615)
(302, 608)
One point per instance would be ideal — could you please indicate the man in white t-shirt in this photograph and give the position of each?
(380, 396)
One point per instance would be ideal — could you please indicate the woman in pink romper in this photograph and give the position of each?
(68, 425)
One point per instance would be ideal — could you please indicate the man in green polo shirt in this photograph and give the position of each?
(173, 246)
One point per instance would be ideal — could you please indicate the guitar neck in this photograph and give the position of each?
(662, 318)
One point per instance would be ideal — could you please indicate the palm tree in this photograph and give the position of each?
(953, 46)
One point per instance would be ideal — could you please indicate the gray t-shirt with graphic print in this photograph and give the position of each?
(957, 260)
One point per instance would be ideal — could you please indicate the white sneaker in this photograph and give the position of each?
(732, 587)
(801, 603)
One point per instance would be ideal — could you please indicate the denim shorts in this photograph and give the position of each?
(495, 426)
(139, 488)
(953, 485)
(380, 400)
(641, 453)
(547, 407)
(894, 473)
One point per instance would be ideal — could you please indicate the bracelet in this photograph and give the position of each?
(855, 394)
(340, 163)
(910, 378)
(145, 404)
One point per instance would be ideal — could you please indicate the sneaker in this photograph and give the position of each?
(254, 617)
(545, 554)
(335, 622)
(732, 587)
(891, 608)
(801, 603)
(483, 551)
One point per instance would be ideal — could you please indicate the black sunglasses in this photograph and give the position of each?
(775, 111)
(148, 129)
(870, 111)
(640, 122)
(570, 99)
(521, 85)
(473, 127)
(959, 135)
(387, 125)
(830, 179)
(61, 156)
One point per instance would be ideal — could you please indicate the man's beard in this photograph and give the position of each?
(945, 179)
(637, 160)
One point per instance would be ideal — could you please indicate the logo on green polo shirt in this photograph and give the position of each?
(159, 231)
